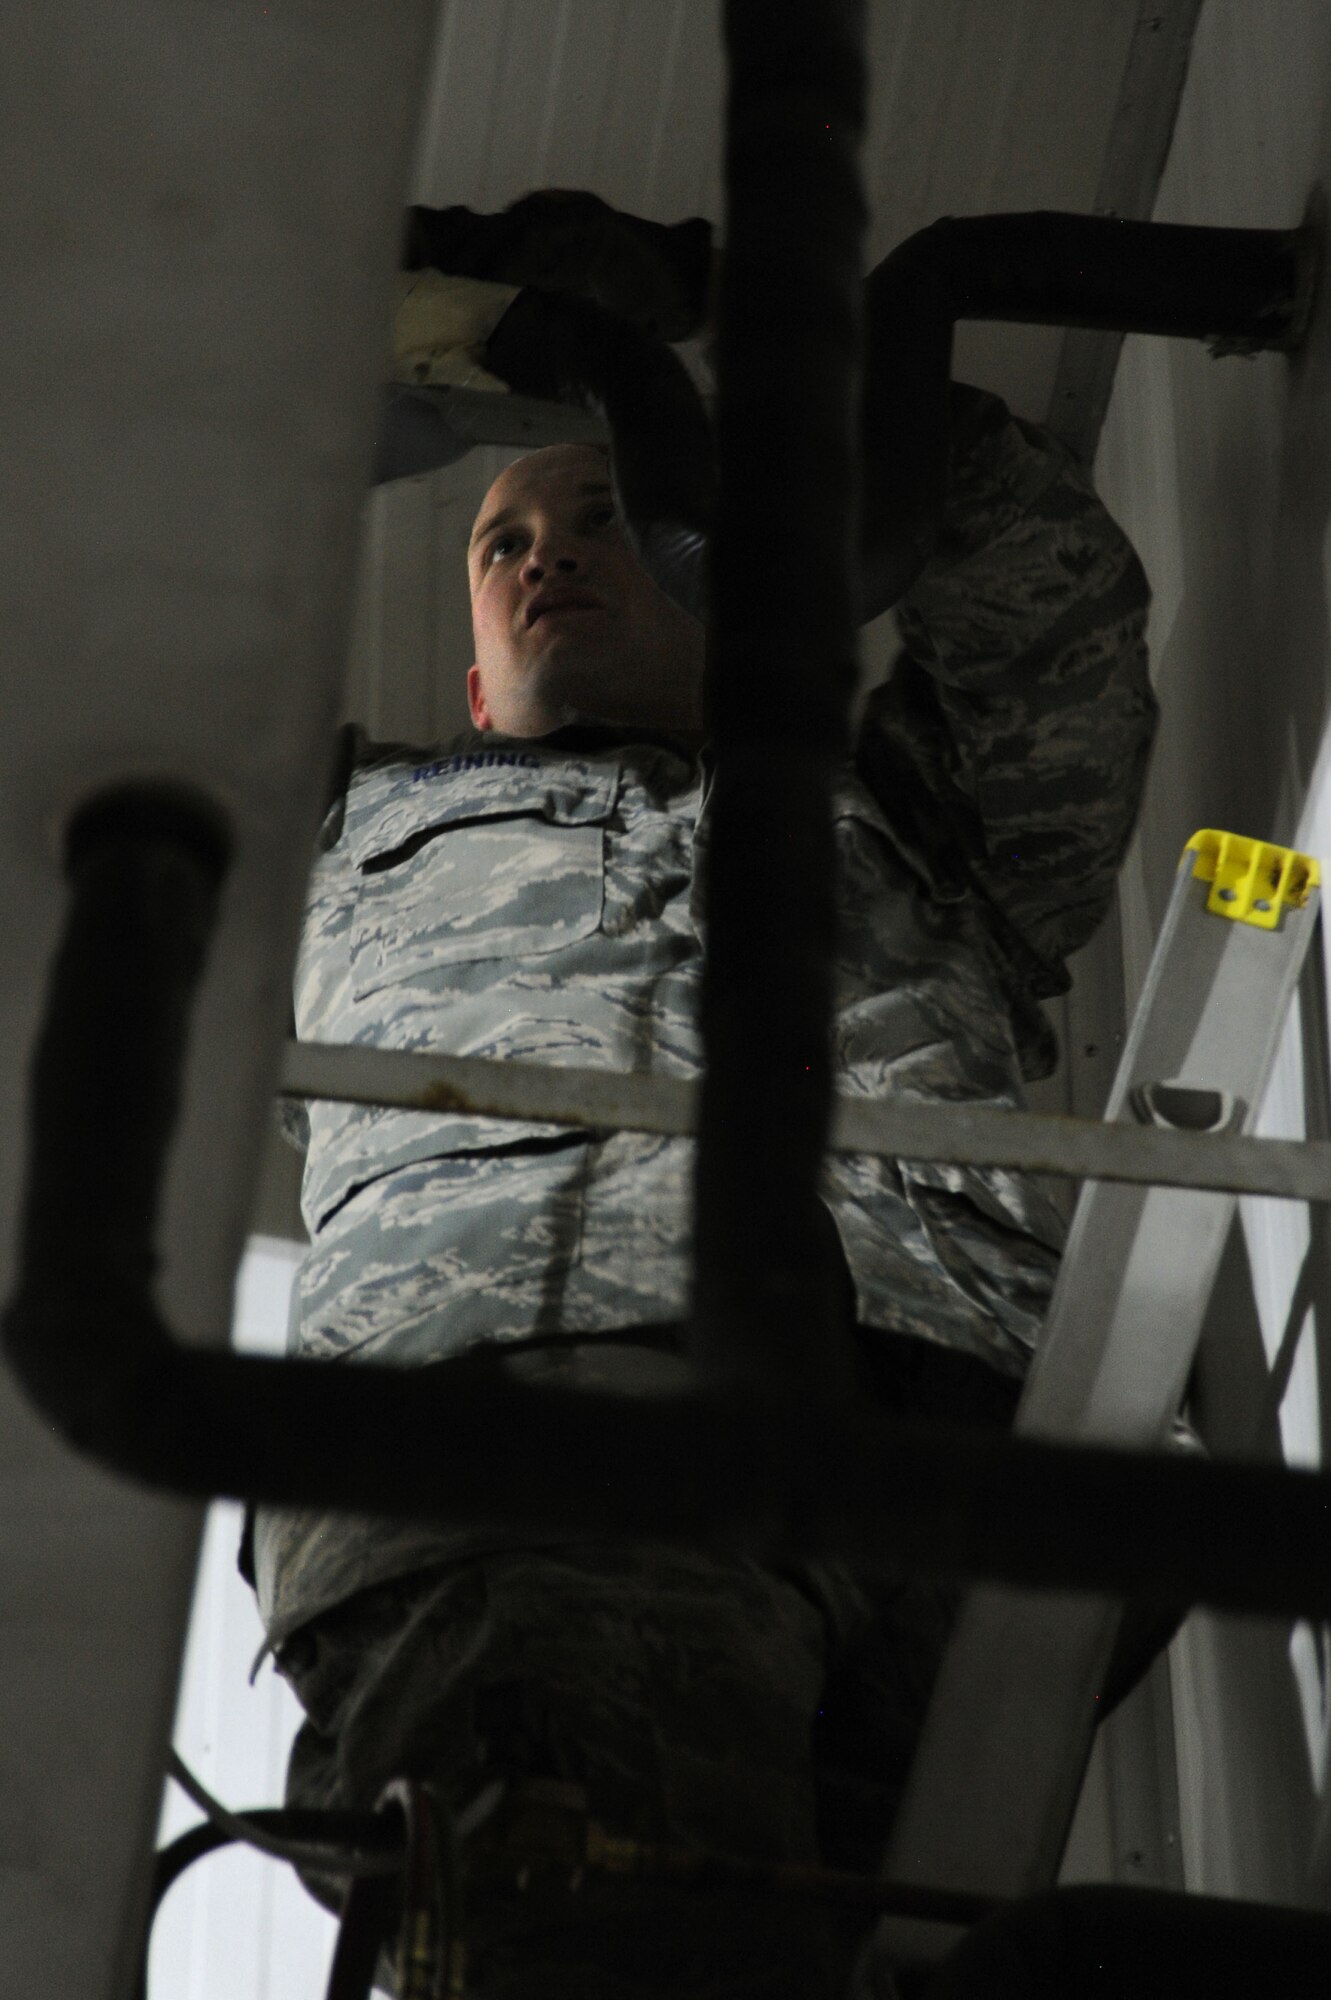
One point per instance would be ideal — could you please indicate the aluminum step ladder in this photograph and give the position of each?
(1010, 1728)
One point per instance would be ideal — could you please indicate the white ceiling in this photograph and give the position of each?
(976, 107)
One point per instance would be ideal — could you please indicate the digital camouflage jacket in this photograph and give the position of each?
(540, 900)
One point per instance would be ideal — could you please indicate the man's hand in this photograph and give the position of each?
(662, 465)
(563, 298)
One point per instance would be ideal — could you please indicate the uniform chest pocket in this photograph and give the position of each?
(499, 884)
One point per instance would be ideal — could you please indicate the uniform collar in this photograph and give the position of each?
(598, 736)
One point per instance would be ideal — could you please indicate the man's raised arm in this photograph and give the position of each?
(1013, 737)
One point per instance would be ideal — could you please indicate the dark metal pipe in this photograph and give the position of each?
(146, 867)
(1138, 1944)
(771, 1476)
(1240, 289)
(781, 672)
(769, 1472)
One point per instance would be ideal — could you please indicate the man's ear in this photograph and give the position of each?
(476, 702)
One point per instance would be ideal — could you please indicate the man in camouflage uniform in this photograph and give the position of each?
(531, 890)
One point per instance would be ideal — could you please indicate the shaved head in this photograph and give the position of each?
(590, 461)
(568, 625)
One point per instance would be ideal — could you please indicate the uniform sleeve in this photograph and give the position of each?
(1011, 742)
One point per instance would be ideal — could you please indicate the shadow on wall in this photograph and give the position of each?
(1244, 673)
(1245, 1829)
(1221, 471)
(1301, 570)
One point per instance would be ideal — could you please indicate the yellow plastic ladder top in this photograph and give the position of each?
(1252, 881)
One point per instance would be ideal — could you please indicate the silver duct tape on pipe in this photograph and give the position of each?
(964, 1134)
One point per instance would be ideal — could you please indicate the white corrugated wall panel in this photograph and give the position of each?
(237, 1923)
(973, 109)
(411, 625)
(1219, 472)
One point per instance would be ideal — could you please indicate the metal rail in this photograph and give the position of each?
(976, 1135)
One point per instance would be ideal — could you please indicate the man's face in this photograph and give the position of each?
(569, 627)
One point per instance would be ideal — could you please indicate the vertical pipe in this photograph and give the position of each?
(146, 866)
(781, 672)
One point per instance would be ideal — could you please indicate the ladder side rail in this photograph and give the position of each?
(1010, 1728)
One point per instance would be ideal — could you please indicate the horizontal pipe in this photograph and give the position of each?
(774, 1477)
(1154, 1944)
(889, 1128)
(460, 1442)
(1240, 289)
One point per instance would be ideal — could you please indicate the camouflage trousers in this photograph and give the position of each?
(703, 1701)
